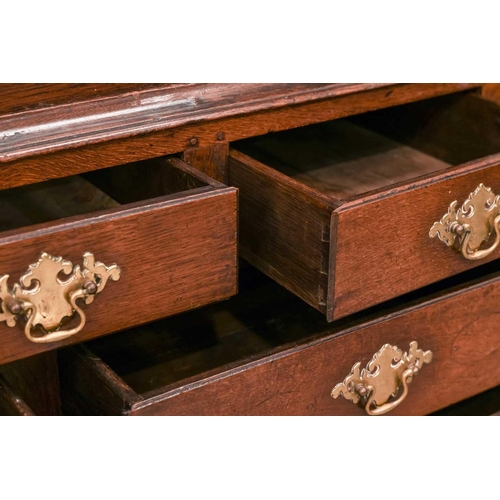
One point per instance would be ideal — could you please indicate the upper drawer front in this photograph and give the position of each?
(459, 328)
(175, 251)
(341, 213)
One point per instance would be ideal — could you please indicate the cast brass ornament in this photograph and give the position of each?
(471, 225)
(387, 372)
(44, 298)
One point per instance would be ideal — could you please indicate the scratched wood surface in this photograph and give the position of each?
(176, 252)
(281, 357)
(382, 185)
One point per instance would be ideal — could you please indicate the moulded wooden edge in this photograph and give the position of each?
(59, 159)
(59, 127)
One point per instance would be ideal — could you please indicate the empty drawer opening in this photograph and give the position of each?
(84, 194)
(347, 158)
(263, 316)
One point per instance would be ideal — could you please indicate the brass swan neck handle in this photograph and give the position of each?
(383, 384)
(44, 299)
(471, 225)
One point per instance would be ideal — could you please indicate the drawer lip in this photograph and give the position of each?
(453, 172)
(144, 402)
(186, 242)
(109, 214)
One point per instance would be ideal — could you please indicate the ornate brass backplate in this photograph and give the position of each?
(43, 298)
(471, 225)
(385, 374)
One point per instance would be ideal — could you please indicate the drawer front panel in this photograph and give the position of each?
(383, 248)
(174, 256)
(461, 330)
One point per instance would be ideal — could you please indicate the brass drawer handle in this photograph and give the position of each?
(472, 224)
(44, 299)
(385, 374)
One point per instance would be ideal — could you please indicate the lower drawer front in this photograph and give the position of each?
(460, 327)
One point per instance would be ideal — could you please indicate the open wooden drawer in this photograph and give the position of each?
(340, 213)
(165, 233)
(266, 352)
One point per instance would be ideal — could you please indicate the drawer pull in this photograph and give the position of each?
(471, 224)
(43, 298)
(382, 379)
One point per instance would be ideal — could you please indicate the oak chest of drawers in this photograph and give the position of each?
(371, 208)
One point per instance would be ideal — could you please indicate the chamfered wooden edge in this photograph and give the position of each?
(329, 334)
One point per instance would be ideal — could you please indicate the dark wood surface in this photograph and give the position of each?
(176, 252)
(382, 196)
(211, 160)
(50, 201)
(341, 159)
(485, 404)
(121, 129)
(33, 383)
(11, 405)
(281, 357)
(284, 228)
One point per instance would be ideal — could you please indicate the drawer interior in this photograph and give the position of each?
(347, 158)
(262, 319)
(100, 190)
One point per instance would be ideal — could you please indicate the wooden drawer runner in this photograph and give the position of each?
(171, 230)
(340, 213)
(265, 352)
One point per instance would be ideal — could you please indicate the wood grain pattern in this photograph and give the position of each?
(372, 266)
(148, 110)
(284, 228)
(491, 91)
(455, 128)
(459, 325)
(211, 160)
(382, 196)
(60, 159)
(35, 383)
(340, 159)
(179, 250)
(18, 97)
